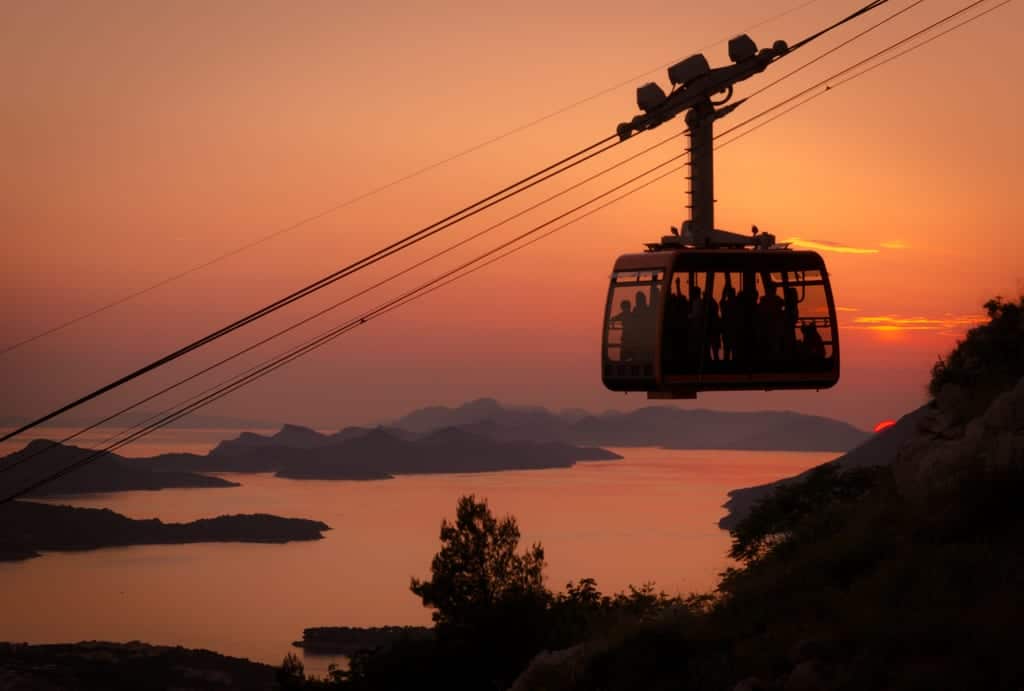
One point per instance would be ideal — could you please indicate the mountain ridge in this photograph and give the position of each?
(666, 426)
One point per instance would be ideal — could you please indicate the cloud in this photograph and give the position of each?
(828, 246)
(847, 309)
(890, 322)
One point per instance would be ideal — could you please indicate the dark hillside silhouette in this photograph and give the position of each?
(107, 473)
(96, 666)
(448, 450)
(708, 429)
(28, 527)
(880, 449)
(902, 576)
(375, 454)
(649, 426)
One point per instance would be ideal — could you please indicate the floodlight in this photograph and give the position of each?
(742, 48)
(689, 69)
(649, 96)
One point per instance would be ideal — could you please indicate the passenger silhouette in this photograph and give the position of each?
(769, 324)
(625, 319)
(791, 317)
(714, 326)
(728, 309)
(746, 344)
(677, 311)
(813, 345)
(697, 326)
(643, 328)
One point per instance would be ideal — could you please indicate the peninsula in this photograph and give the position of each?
(102, 472)
(28, 528)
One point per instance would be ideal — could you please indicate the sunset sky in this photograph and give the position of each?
(142, 139)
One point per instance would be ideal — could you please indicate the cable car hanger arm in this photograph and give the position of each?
(699, 82)
(695, 83)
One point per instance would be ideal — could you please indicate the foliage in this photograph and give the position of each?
(773, 521)
(988, 361)
(493, 613)
(489, 602)
(478, 568)
(291, 673)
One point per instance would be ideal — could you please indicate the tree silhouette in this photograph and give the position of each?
(478, 569)
(987, 362)
(291, 673)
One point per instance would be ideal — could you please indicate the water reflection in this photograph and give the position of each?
(651, 516)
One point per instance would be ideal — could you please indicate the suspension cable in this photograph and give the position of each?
(509, 191)
(348, 299)
(448, 277)
(374, 191)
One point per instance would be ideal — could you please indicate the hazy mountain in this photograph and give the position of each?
(349, 640)
(27, 527)
(107, 473)
(650, 426)
(380, 453)
(479, 436)
(128, 666)
(448, 450)
(293, 437)
(880, 449)
(516, 422)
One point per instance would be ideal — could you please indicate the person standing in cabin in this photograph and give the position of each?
(728, 309)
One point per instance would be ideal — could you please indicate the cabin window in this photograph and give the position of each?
(632, 319)
(742, 322)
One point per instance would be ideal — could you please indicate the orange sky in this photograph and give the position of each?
(142, 139)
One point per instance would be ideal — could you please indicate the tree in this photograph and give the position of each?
(987, 362)
(800, 505)
(478, 570)
(291, 673)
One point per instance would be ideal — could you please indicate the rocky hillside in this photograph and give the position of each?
(908, 575)
(96, 666)
(880, 449)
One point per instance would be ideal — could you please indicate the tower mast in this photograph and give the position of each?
(695, 83)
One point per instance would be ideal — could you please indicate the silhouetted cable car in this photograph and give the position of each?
(678, 322)
(705, 309)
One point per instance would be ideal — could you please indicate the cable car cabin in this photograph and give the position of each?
(678, 322)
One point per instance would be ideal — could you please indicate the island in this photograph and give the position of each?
(377, 454)
(28, 528)
(128, 666)
(666, 426)
(347, 640)
(95, 472)
(478, 437)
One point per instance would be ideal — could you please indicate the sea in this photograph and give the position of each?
(648, 518)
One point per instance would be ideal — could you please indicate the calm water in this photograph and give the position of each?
(650, 517)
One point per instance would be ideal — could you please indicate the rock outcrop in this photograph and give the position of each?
(944, 447)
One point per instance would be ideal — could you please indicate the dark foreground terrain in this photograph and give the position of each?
(901, 569)
(347, 640)
(95, 472)
(27, 528)
(135, 666)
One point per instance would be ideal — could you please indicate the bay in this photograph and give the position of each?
(651, 517)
